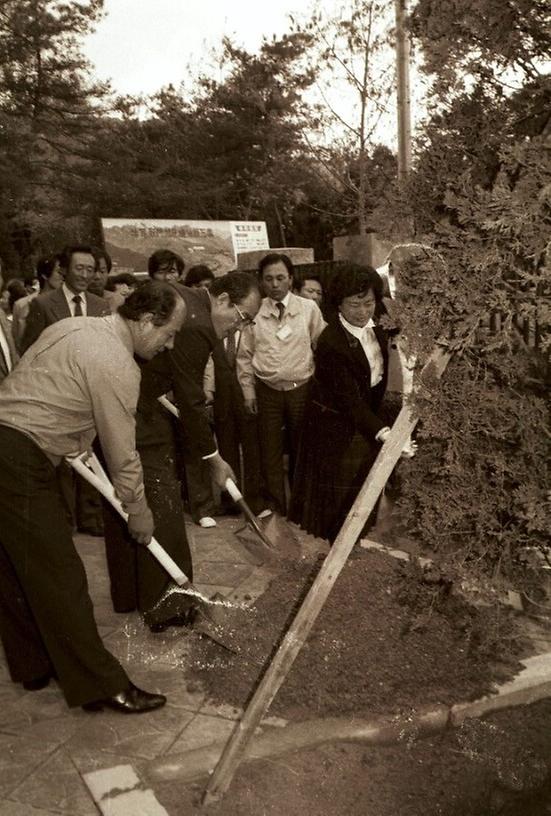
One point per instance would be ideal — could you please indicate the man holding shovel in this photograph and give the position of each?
(137, 581)
(78, 379)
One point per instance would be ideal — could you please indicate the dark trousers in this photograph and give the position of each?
(46, 615)
(238, 443)
(81, 501)
(137, 578)
(199, 487)
(278, 410)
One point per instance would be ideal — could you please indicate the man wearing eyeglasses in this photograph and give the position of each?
(78, 266)
(232, 302)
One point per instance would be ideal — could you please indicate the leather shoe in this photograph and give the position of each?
(130, 701)
(37, 683)
(186, 618)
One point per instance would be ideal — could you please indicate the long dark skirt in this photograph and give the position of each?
(332, 465)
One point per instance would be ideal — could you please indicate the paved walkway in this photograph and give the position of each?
(45, 747)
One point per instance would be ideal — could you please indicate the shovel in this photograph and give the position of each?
(266, 544)
(176, 599)
(263, 546)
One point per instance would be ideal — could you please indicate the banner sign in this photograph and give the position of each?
(130, 241)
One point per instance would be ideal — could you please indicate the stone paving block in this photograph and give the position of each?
(221, 550)
(212, 589)
(32, 707)
(252, 587)
(203, 730)
(48, 732)
(212, 572)
(19, 757)
(118, 791)
(10, 693)
(8, 808)
(56, 785)
(144, 737)
(224, 710)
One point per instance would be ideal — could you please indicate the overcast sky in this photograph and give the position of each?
(142, 45)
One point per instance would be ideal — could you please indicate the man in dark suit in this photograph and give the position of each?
(8, 353)
(78, 264)
(236, 429)
(136, 579)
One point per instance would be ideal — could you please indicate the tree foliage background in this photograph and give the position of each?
(480, 196)
(253, 144)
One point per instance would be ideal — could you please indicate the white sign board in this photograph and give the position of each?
(130, 241)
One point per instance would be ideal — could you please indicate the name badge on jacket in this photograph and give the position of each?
(284, 332)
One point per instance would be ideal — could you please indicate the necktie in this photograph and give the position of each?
(77, 300)
(231, 349)
(281, 309)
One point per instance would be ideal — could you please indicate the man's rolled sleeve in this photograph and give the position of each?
(114, 398)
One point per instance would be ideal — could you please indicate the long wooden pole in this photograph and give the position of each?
(319, 591)
(403, 91)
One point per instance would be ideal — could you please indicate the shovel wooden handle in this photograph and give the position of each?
(104, 486)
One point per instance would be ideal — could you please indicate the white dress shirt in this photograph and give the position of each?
(69, 295)
(370, 345)
(4, 346)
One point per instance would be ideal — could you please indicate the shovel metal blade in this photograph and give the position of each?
(211, 620)
(284, 544)
(217, 623)
(284, 540)
(256, 551)
(173, 602)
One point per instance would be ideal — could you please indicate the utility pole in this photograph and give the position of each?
(402, 91)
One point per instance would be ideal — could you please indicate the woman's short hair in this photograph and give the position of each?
(16, 289)
(122, 277)
(197, 274)
(151, 297)
(353, 279)
(164, 257)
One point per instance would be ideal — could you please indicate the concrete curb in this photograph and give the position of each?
(194, 765)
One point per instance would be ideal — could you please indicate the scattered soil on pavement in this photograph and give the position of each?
(389, 639)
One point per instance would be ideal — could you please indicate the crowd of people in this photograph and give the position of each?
(272, 392)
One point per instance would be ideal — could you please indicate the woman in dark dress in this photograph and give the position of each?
(342, 430)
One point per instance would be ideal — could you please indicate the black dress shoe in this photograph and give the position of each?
(37, 683)
(130, 701)
(186, 618)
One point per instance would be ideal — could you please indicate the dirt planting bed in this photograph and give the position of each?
(498, 766)
(389, 639)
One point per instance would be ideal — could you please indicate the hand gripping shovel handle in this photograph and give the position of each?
(237, 497)
(101, 482)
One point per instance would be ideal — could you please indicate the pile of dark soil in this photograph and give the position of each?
(389, 639)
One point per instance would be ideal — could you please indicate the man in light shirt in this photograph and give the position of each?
(8, 354)
(274, 365)
(78, 265)
(78, 379)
